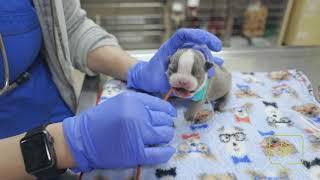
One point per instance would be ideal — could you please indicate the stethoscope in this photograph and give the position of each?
(6, 67)
(26, 75)
(22, 78)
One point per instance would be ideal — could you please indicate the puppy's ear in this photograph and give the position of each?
(208, 65)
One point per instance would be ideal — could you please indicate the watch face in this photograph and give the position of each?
(35, 152)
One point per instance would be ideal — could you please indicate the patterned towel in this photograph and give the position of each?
(267, 130)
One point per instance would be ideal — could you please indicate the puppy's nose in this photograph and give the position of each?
(183, 83)
(234, 144)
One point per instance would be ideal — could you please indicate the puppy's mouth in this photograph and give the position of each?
(182, 92)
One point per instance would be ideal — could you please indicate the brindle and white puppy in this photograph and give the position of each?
(188, 74)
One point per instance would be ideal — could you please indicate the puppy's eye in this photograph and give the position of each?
(172, 70)
(193, 71)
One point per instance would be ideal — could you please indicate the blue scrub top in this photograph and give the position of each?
(36, 101)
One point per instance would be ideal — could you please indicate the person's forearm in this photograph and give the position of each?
(112, 61)
(11, 160)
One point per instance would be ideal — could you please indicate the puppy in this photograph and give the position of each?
(202, 116)
(188, 75)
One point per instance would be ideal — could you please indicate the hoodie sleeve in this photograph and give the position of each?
(84, 35)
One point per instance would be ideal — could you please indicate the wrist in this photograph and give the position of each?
(63, 154)
(131, 66)
(131, 63)
(133, 75)
(77, 146)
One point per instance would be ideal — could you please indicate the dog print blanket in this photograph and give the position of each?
(267, 130)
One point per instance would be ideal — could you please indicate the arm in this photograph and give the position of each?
(11, 161)
(92, 49)
(134, 119)
(112, 61)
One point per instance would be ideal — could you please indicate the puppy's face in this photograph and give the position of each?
(187, 72)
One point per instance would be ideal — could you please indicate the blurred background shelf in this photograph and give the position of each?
(136, 24)
(146, 24)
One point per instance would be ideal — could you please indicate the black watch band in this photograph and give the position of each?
(36, 130)
(50, 171)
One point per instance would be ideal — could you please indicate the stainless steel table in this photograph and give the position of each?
(306, 59)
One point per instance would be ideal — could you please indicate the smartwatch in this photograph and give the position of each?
(38, 153)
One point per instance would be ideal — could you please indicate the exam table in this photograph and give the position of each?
(306, 59)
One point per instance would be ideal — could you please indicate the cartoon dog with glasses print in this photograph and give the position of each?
(234, 138)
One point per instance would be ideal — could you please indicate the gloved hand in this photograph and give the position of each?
(117, 132)
(151, 77)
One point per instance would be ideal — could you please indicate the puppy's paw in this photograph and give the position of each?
(200, 116)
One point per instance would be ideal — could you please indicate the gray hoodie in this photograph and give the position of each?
(68, 38)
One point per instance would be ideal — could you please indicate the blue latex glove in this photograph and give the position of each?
(151, 77)
(117, 133)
